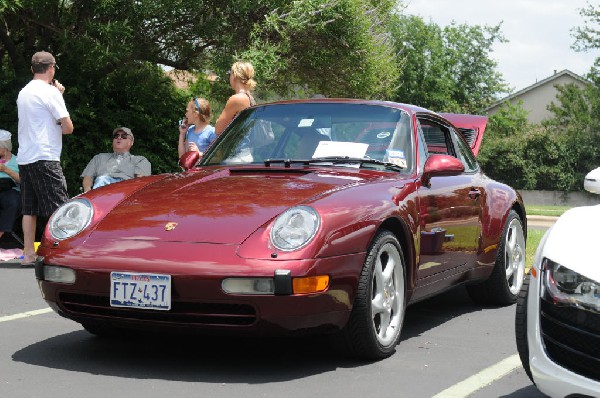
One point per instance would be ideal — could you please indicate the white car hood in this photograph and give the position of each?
(574, 241)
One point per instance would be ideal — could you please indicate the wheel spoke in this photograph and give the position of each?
(388, 273)
(509, 271)
(377, 304)
(384, 323)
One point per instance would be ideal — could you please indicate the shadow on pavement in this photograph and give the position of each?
(221, 359)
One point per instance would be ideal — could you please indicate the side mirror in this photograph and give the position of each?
(188, 160)
(441, 165)
(592, 181)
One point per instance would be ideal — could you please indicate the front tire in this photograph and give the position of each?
(504, 284)
(521, 327)
(373, 330)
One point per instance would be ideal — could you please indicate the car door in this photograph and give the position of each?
(450, 220)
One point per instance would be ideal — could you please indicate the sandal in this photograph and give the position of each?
(29, 261)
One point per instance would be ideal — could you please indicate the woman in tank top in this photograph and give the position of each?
(241, 80)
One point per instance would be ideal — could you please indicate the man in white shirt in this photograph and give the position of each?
(43, 119)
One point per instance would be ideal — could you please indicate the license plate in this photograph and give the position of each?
(147, 291)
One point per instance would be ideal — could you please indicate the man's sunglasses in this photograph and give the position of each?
(122, 135)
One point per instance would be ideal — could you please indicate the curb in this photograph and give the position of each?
(542, 218)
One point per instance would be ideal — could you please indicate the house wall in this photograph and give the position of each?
(536, 100)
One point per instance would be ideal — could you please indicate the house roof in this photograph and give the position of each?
(555, 76)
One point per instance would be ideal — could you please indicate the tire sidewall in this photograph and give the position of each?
(382, 239)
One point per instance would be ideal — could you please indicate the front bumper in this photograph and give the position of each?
(198, 301)
(551, 377)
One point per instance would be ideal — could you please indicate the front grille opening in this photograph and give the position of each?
(571, 338)
(181, 313)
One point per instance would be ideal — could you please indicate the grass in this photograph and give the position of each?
(534, 236)
(539, 210)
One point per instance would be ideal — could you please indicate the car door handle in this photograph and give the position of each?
(474, 193)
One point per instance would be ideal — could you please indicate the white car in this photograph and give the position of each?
(558, 310)
(592, 181)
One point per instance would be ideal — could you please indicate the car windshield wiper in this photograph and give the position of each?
(335, 160)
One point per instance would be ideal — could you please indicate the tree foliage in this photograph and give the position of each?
(109, 51)
(559, 153)
(337, 48)
(446, 69)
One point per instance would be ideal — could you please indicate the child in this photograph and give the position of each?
(195, 132)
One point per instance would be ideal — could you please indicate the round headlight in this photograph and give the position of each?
(70, 219)
(294, 228)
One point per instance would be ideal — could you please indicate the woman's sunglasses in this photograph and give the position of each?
(122, 135)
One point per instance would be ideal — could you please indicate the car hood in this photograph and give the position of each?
(572, 241)
(218, 206)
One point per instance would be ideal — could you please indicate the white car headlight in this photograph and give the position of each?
(294, 228)
(70, 219)
(563, 286)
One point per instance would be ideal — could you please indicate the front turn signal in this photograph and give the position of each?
(310, 284)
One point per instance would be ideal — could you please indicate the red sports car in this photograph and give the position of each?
(326, 215)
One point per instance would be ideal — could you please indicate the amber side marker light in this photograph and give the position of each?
(310, 284)
(533, 272)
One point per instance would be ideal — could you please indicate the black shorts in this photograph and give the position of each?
(43, 187)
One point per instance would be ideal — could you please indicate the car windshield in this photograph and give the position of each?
(324, 134)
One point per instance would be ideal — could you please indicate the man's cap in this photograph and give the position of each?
(123, 129)
(43, 57)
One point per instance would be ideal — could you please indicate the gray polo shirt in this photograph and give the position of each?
(118, 165)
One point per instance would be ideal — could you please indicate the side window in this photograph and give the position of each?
(437, 138)
(465, 154)
(422, 148)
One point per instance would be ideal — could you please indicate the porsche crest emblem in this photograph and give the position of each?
(170, 226)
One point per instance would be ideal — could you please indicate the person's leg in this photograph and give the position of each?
(29, 223)
(30, 209)
(101, 181)
(10, 203)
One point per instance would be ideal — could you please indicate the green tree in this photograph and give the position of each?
(337, 48)
(446, 69)
(503, 147)
(109, 52)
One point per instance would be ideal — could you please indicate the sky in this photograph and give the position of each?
(538, 33)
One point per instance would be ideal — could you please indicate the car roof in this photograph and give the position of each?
(407, 107)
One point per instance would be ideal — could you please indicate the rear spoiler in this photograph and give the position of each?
(471, 127)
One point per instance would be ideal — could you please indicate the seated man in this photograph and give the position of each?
(10, 198)
(106, 168)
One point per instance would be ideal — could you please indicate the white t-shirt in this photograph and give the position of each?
(40, 106)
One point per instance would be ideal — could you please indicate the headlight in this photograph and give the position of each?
(70, 219)
(560, 285)
(294, 228)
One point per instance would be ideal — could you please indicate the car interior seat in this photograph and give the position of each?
(309, 139)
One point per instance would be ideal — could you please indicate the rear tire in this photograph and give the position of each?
(521, 328)
(504, 284)
(373, 330)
